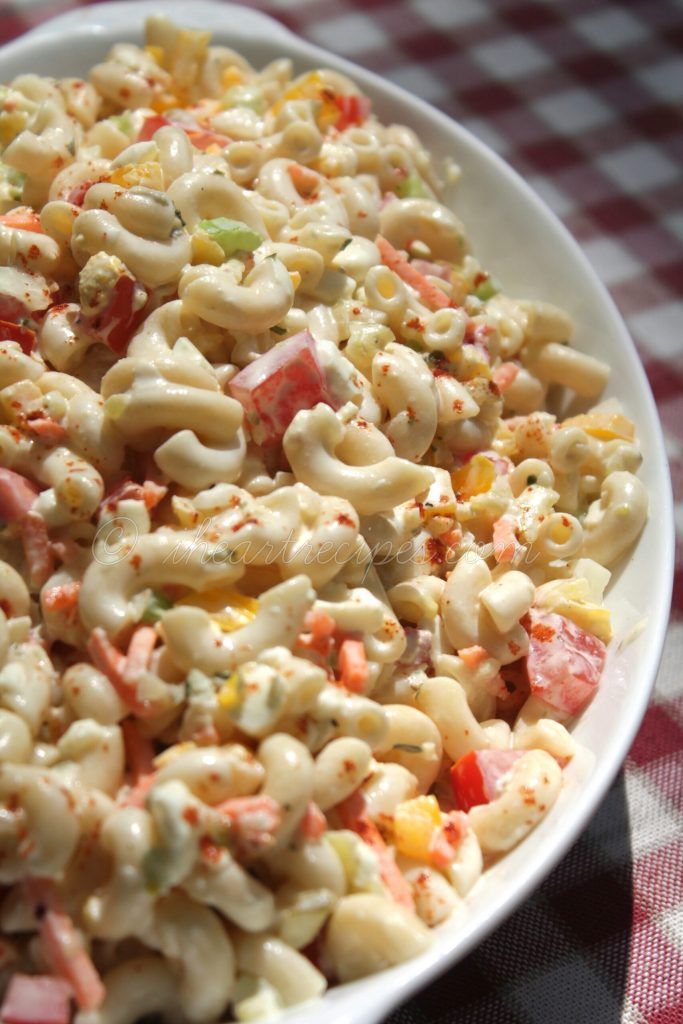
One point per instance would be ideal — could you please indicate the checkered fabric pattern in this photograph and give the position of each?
(584, 99)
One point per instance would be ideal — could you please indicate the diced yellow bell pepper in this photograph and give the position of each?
(229, 693)
(206, 250)
(148, 174)
(156, 53)
(229, 609)
(475, 477)
(415, 822)
(605, 426)
(231, 76)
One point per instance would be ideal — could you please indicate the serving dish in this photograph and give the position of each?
(505, 221)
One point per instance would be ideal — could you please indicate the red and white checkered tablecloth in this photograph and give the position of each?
(585, 99)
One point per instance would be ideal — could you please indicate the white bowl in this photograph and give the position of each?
(527, 248)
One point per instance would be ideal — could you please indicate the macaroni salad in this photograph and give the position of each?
(305, 535)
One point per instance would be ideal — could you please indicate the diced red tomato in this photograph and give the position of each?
(418, 651)
(151, 125)
(447, 838)
(17, 495)
(23, 218)
(46, 429)
(37, 549)
(353, 665)
(476, 776)
(24, 336)
(61, 598)
(77, 194)
(277, 385)
(116, 325)
(354, 816)
(313, 823)
(352, 110)
(427, 267)
(36, 999)
(564, 661)
(430, 294)
(70, 959)
(505, 375)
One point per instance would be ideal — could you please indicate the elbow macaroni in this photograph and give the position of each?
(237, 674)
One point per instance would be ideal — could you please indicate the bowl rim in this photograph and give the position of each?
(122, 20)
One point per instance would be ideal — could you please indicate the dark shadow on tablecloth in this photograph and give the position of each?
(563, 957)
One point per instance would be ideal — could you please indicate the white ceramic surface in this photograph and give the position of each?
(527, 249)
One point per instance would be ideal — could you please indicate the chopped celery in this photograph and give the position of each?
(486, 290)
(412, 187)
(232, 235)
(124, 122)
(155, 608)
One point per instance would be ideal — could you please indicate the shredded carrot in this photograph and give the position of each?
(473, 656)
(313, 823)
(504, 539)
(61, 598)
(353, 665)
(37, 550)
(319, 623)
(354, 816)
(137, 794)
(23, 218)
(430, 293)
(109, 660)
(139, 654)
(63, 946)
(504, 375)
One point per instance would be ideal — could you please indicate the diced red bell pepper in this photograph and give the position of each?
(151, 125)
(352, 110)
(201, 138)
(564, 661)
(476, 776)
(36, 999)
(277, 385)
(25, 337)
(354, 816)
(12, 309)
(116, 325)
(17, 495)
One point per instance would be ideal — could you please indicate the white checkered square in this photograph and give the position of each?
(348, 33)
(611, 29)
(450, 13)
(419, 81)
(511, 57)
(661, 328)
(612, 262)
(664, 79)
(573, 110)
(639, 166)
(652, 820)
